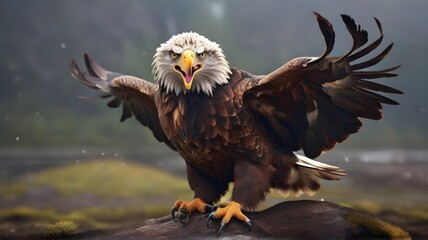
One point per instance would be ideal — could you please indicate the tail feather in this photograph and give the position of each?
(305, 177)
(325, 171)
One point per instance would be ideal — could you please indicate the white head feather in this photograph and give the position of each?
(215, 72)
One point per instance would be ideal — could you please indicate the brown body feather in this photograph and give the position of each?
(247, 130)
(211, 132)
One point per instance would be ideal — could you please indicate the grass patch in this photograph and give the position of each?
(109, 181)
(103, 178)
(112, 179)
(62, 228)
(23, 212)
(94, 217)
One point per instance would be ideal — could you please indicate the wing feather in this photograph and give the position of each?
(328, 33)
(134, 94)
(317, 102)
(114, 103)
(376, 87)
(374, 60)
(370, 47)
(126, 112)
(359, 35)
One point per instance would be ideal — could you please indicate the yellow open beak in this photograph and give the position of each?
(186, 69)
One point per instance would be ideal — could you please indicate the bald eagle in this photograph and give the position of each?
(232, 126)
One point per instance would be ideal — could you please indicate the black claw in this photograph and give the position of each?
(248, 224)
(173, 211)
(210, 218)
(182, 219)
(221, 228)
(183, 216)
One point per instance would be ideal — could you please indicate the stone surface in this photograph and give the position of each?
(287, 220)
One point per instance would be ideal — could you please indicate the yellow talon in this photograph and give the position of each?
(233, 209)
(196, 205)
(185, 208)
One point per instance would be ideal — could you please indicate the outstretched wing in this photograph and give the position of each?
(314, 103)
(134, 94)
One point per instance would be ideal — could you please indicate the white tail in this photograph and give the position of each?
(305, 177)
(325, 171)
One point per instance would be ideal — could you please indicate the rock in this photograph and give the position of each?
(287, 220)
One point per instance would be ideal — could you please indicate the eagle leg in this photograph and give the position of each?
(185, 208)
(251, 183)
(233, 209)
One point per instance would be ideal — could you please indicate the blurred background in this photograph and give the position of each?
(65, 158)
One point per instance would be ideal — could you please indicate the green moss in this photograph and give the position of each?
(27, 213)
(60, 229)
(376, 227)
(94, 217)
(103, 178)
(112, 179)
(107, 180)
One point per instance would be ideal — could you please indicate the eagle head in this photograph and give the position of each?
(190, 62)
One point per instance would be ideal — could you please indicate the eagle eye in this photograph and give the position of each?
(173, 54)
(202, 55)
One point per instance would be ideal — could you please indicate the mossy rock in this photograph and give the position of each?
(374, 227)
(287, 220)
